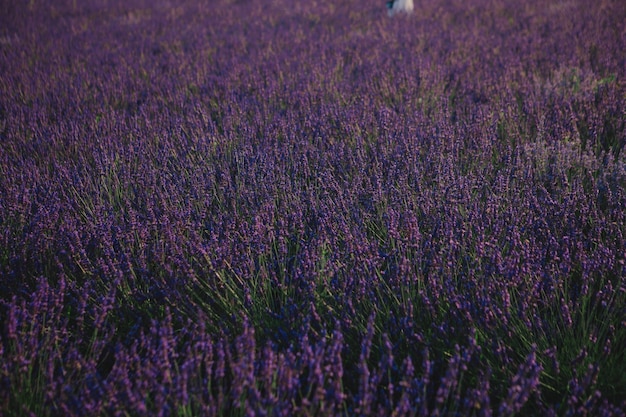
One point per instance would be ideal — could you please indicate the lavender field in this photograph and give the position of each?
(308, 208)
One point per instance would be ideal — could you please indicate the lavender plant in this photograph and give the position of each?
(268, 208)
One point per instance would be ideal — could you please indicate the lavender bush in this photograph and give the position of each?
(283, 208)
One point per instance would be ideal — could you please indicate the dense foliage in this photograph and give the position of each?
(309, 208)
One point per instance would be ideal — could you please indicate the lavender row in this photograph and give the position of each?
(189, 371)
(312, 209)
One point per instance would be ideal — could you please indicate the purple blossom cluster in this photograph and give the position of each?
(277, 208)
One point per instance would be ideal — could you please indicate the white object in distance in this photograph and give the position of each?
(399, 6)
